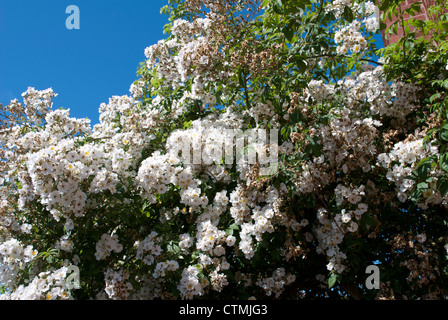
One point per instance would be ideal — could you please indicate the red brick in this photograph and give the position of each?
(406, 15)
(421, 16)
(428, 3)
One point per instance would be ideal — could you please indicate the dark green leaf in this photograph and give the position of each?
(332, 280)
(348, 14)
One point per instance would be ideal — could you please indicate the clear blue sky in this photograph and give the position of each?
(86, 66)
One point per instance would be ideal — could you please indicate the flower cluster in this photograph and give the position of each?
(50, 285)
(117, 286)
(14, 258)
(162, 267)
(276, 283)
(350, 37)
(402, 160)
(106, 245)
(330, 236)
(190, 284)
(149, 248)
(188, 55)
(36, 104)
(156, 173)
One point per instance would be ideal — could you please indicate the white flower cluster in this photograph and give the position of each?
(106, 245)
(239, 210)
(50, 285)
(162, 267)
(52, 169)
(263, 110)
(209, 239)
(210, 242)
(393, 100)
(402, 160)
(185, 56)
(14, 258)
(318, 90)
(337, 6)
(137, 89)
(329, 236)
(372, 23)
(404, 97)
(8, 221)
(347, 144)
(156, 173)
(185, 241)
(69, 168)
(218, 280)
(125, 129)
(208, 145)
(36, 104)
(193, 198)
(149, 248)
(117, 285)
(104, 180)
(369, 86)
(276, 283)
(256, 224)
(350, 37)
(332, 229)
(190, 284)
(65, 243)
(353, 196)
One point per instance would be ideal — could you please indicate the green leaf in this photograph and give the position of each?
(416, 23)
(173, 248)
(444, 133)
(301, 64)
(367, 220)
(385, 5)
(278, 6)
(348, 14)
(234, 226)
(315, 148)
(332, 280)
(443, 187)
(288, 31)
(231, 229)
(422, 170)
(434, 97)
(422, 186)
(445, 25)
(241, 80)
(277, 183)
(443, 162)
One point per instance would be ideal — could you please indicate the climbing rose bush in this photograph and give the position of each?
(360, 166)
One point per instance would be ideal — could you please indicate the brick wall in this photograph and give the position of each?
(392, 38)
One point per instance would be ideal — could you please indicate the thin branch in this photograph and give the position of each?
(347, 56)
(246, 93)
